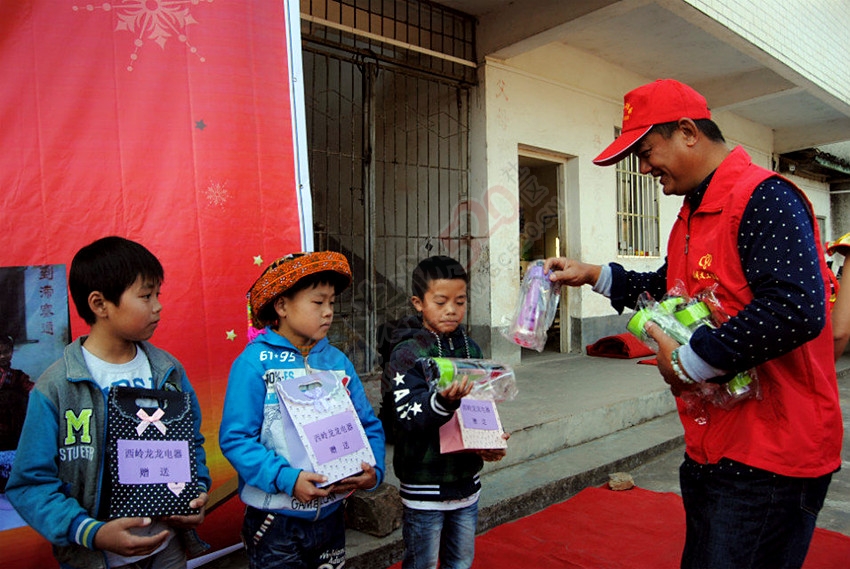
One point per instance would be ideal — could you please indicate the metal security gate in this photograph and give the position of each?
(388, 150)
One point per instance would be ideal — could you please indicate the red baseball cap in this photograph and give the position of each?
(662, 101)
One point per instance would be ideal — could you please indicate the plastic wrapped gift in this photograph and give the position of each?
(490, 380)
(535, 312)
(679, 316)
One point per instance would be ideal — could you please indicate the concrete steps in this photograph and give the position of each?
(576, 419)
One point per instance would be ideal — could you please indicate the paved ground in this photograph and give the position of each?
(576, 420)
(661, 474)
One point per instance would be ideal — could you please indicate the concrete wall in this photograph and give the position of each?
(809, 36)
(561, 101)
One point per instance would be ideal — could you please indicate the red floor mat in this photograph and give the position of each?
(602, 529)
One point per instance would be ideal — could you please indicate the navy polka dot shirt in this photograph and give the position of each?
(782, 267)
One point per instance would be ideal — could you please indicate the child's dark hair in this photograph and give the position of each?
(433, 268)
(268, 315)
(110, 266)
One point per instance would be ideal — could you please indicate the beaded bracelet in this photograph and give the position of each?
(678, 368)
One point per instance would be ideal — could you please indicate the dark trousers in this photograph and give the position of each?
(276, 541)
(740, 517)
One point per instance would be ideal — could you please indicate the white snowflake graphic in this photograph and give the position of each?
(156, 20)
(217, 193)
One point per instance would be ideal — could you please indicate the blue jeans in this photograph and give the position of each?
(432, 534)
(276, 541)
(739, 517)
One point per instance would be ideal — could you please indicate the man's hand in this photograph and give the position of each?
(115, 536)
(666, 345)
(194, 520)
(571, 272)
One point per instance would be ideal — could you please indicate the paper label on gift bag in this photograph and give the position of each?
(334, 437)
(479, 414)
(153, 462)
(474, 426)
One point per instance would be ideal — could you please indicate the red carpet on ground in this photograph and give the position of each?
(599, 528)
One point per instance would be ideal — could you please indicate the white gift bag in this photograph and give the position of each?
(321, 425)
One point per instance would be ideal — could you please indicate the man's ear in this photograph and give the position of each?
(97, 303)
(690, 131)
(417, 303)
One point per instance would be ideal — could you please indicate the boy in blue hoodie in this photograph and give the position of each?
(59, 484)
(290, 521)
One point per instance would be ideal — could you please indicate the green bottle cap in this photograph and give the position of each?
(638, 321)
(447, 371)
(692, 314)
(671, 304)
(740, 384)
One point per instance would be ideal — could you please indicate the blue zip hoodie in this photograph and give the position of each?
(251, 435)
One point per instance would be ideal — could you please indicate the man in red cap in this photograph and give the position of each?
(755, 475)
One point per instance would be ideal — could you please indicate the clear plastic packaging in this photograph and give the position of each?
(661, 313)
(679, 316)
(491, 380)
(648, 309)
(535, 312)
(743, 385)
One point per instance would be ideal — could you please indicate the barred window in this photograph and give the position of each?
(637, 210)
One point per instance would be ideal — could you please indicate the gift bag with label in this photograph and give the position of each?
(474, 426)
(322, 426)
(151, 453)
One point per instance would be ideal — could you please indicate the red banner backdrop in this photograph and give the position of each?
(168, 123)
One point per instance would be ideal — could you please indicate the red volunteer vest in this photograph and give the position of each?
(796, 429)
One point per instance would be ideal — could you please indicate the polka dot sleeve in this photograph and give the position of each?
(781, 264)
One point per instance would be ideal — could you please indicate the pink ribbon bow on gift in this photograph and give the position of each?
(150, 420)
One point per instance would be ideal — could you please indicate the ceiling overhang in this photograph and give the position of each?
(670, 38)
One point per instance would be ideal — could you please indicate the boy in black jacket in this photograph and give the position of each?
(439, 491)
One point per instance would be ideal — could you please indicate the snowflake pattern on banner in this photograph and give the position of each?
(153, 20)
(217, 194)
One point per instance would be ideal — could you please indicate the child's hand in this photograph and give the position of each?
(496, 454)
(458, 390)
(366, 480)
(305, 487)
(115, 536)
(194, 520)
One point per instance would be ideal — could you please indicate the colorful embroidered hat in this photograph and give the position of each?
(281, 275)
(659, 102)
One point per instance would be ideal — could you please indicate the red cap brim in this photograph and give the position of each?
(621, 147)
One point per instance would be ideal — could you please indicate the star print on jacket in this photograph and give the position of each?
(417, 400)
